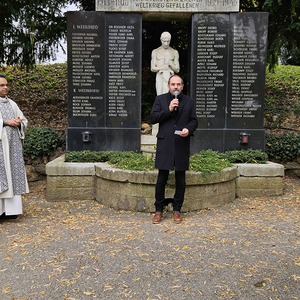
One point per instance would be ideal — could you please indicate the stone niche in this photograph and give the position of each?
(135, 190)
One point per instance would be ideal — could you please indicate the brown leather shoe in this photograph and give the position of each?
(177, 218)
(157, 217)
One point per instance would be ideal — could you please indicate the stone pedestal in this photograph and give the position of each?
(259, 180)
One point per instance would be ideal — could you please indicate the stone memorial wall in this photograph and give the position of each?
(227, 73)
(227, 79)
(104, 81)
(86, 73)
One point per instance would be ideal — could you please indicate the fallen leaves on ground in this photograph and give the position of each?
(248, 249)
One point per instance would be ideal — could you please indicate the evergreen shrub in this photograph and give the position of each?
(247, 156)
(204, 161)
(41, 141)
(283, 147)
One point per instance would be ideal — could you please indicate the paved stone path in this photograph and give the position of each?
(248, 249)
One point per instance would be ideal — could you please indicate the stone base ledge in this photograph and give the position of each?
(269, 169)
(70, 187)
(135, 190)
(58, 167)
(259, 180)
(251, 187)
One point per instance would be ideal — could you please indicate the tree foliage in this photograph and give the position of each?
(88, 5)
(283, 30)
(32, 30)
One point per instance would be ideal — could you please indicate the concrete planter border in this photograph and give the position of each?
(134, 190)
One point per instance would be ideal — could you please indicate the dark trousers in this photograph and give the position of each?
(180, 184)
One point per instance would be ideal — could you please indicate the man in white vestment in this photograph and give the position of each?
(13, 180)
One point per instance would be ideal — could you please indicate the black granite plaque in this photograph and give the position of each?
(227, 79)
(108, 139)
(123, 83)
(86, 71)
(233, 139)
(209, 68)
(207, 139)
(246, 76)
(104, 72)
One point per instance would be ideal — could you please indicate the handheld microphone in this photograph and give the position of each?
(176, 93)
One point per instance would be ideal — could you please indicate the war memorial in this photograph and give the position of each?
(226, 73)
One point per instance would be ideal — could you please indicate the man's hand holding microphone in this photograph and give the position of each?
(175, 102)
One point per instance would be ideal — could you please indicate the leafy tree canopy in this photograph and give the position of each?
(284, 28)
(32, 30)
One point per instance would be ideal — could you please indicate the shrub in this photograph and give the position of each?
(283, 147)
(41, 141)
(207, 161)
(281, 95)
(204, 161)
(131, 161)
(247, 156)
(120, 159)
(87, 156)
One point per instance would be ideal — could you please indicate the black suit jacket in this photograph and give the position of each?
(173, 151)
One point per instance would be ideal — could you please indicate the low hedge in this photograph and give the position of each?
(205, 161)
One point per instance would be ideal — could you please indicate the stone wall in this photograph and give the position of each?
(134, 190)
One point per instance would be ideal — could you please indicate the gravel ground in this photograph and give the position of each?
(248, 249)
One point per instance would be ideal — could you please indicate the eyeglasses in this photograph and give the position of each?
(3, 85)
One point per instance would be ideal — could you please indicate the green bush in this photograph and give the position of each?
(283, 147)
(204, 161)
(131, 161)
(281, 95)
(247, 156)
(87, 156)
(41, 141)
(207, 161)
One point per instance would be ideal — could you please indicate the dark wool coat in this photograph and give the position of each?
(172, 150)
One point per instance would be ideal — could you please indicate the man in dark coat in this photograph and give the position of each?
(176, 115)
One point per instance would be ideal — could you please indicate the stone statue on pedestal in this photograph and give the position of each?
(164, 62)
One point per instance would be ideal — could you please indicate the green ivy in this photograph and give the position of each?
(41, 141)
(205, 161)
(281, 95)
(283, 147)
(87, 156)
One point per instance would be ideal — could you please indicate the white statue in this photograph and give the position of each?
(165, 62)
